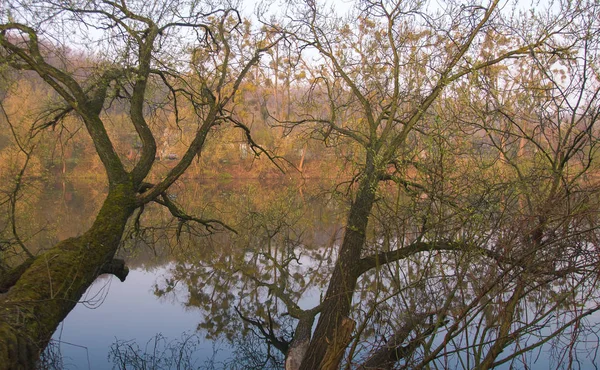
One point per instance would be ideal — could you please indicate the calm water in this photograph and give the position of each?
(126, 311)
(195, 272)
(131, 311)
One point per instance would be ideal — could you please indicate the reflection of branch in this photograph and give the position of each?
(18, 183)
(293, 309)
(269, 335)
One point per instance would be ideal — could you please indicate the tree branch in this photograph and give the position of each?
(183, 217)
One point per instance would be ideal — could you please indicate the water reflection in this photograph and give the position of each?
(259, 289)
(180, 281)
(127, 311)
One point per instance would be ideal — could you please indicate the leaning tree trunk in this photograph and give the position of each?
(334, 328)
(48, 290)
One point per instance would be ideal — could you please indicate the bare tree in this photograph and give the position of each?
(184, 50)
(394, 76)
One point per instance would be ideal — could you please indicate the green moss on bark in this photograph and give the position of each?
(49, 289)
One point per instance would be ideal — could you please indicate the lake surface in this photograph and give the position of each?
(127, 311)
(181, 282)
(133, 313)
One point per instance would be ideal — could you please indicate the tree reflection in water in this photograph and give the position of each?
(261, 288)
(236, 280)
(255, 285)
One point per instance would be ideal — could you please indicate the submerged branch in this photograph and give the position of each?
(115, 267)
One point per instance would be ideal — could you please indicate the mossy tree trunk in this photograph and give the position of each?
(49, 289)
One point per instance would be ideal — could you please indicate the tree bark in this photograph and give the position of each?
(49, 289)
(300, 342)
(337, 347)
